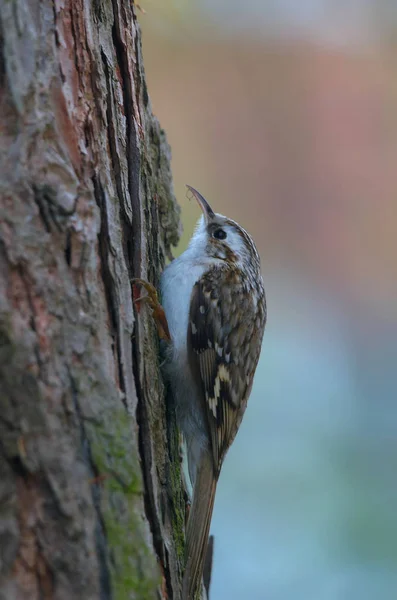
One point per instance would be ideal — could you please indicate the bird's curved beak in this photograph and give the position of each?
(205, 207)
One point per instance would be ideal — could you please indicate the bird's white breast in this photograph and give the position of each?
(177, 282)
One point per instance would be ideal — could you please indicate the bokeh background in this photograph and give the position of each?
(283, 113)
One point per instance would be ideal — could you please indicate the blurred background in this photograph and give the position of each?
(283, 113)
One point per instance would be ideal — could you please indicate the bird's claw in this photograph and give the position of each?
(152, 299)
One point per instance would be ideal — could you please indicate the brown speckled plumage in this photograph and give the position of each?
(227, 319)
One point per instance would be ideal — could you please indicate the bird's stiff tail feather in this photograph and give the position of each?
(198, 527)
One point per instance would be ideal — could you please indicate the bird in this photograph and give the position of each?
(215, 307)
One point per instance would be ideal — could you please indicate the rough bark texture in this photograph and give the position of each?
(90, 503)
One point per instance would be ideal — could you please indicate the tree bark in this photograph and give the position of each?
(91, 503)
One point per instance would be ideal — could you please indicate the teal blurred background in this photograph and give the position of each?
(284, 115)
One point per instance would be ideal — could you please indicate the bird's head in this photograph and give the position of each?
(221, 238)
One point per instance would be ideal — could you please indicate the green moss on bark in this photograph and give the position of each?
(133, 569)
(176, 490)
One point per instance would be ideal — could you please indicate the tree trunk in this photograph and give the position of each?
(91, 504)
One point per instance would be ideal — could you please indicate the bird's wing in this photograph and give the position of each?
(226, 324)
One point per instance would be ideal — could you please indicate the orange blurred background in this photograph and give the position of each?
(284, 116)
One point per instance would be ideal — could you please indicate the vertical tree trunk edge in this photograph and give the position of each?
(91, 502)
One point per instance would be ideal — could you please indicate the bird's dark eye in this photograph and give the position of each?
(220, 234)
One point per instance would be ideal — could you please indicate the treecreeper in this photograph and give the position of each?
(213, 315)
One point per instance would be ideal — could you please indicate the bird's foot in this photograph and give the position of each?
(152, 299)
